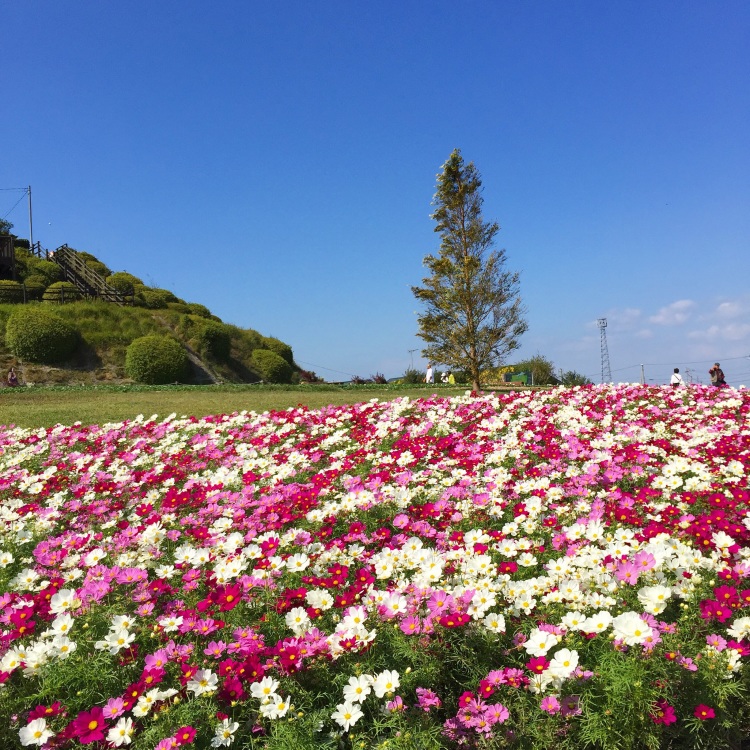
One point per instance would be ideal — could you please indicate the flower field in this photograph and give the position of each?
(566, 568)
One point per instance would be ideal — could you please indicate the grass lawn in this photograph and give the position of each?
(45, 407)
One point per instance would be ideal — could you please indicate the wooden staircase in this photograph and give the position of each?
(88, 282)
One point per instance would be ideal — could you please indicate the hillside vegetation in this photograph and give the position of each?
(113, 343)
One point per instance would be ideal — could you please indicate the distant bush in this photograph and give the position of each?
(412, 376)
(213, 340)
(61, 291)
(123, 282)
(272, 367)
(35, 334)
(282, 349)
(156, 360)
(379, 378)
(98, 267)
(308, 376)
(11, 291)
(179, 307)
(47, 269)
(154, 299)
(197, 309)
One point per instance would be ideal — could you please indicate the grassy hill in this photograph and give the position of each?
(216, 351)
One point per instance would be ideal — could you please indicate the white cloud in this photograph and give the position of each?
(729, 332)
(674, 314)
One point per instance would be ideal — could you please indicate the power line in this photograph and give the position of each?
(320, 367)
(14, 205)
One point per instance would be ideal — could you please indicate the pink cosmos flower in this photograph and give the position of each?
(427, 699)
(704, 712)
(89, 726)
(663, 713)
(114, 707)
(550, 704)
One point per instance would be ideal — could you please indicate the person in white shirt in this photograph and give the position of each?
(676, 379)
(430, 378)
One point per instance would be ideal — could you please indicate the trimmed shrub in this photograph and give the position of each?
(61, 291)
(34, 288)
(213, 340)
(47, 269)
(153, 299)
(282, 349)
(35, 334)
(123, 282)
(11, 291)
(271, 366)
(156, 360)
(197, 309)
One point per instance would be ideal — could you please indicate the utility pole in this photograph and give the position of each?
(643, 375)
(411, 354)
(31, 223)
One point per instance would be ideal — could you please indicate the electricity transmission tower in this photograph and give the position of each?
(606, 372)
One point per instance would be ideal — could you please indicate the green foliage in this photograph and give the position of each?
(412, 376)
(156, 359)
(34, 288)
(5, 226)
(282, 349)
(46, 269)
(271, 366)
(123, 282)
(11, 291)
(36, 334)
(473, 313)
(194, 308)
(154, 299)
(214, 340)
(61, 291)
(99, 267)
(542, 370)
(571, 378)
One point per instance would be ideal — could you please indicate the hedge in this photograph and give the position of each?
(156, 360)
(35, 334)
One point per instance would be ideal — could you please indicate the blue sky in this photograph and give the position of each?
(276, 162)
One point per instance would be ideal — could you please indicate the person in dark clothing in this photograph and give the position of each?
(717, 376)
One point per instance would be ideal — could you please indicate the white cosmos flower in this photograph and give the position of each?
(358, 688)
(297, 619)
(171, 624)
(63, 646)
(347, 715)
(597, 623)
(563, 663)
(224, 735)
(540, 642)
(35, 733)
(274, 707)
(122, 732)
(265, 688)
(740, 628)
(630, 628)
(204, 681)
(62, 601)
(93, 557)
(115, 641)
(654, 598)
(386, 682)
(494, 622)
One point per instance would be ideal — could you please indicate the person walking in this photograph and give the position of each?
(430, 377)
(717, 376)
(676, 379)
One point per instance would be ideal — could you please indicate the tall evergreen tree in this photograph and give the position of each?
(473, 316)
